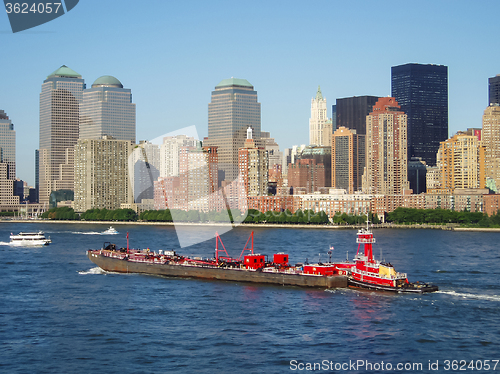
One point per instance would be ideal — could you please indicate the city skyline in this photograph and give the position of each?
(172, 78)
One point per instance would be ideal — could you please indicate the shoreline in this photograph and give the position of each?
(451, 227)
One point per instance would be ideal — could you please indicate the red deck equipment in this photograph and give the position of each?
(281, 259)
(255, 261)
(323, 269)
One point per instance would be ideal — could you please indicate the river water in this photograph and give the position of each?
(59, 313)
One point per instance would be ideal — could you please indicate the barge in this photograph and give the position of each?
(363, 272)
(251, 267)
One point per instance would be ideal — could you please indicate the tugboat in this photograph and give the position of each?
(366, 272)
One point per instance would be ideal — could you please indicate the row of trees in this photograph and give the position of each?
(176, 215)
(253, 216)
(65, 213)
(109, 215)
(443, 216)
(346, 219)
(299, 217)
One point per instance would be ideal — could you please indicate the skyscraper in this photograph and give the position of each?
(102, 174)
(494, 90)
(213, 174)
(144, 164)
(318, 120)
(198, 180)
(253, 166)
(8, 144)
(273, 149)
(306, 176)
(386, 170)
(194, 187)
(461, 163)
(7, 196)
(321, 155)
(490, 137)
(351, 112)
(422, 93)
(234, 108)
(417, 175)
(169, 153)
(107, 109)
(60, 100)
(348, 159)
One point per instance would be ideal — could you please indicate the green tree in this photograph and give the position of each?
(193, 216)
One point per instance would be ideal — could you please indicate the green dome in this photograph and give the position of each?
(64, 72)
(234, 82)
(107, 81)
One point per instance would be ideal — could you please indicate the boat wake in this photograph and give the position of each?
(471, 295)
(22, 245)
(96, 270)
(91, 233)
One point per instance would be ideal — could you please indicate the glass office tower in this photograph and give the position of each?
(234, 108)
(107, 109)
(351, 112)
(60, 100)
(494, 90)
(422, 93)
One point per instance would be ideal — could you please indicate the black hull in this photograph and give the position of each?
(407, 288)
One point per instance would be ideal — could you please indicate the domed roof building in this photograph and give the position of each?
(107, 110)
(107, 81)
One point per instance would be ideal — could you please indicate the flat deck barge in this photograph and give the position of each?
(251, 267)
(115, 262)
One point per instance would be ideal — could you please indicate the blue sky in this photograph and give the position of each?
(172, 55)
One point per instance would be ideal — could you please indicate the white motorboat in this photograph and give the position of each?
(29, 238)
(110, 231)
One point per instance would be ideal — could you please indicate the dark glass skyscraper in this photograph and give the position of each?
(494, 90)
(351, 112)
(422, 93)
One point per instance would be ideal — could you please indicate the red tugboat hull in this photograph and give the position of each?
(368, 273)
